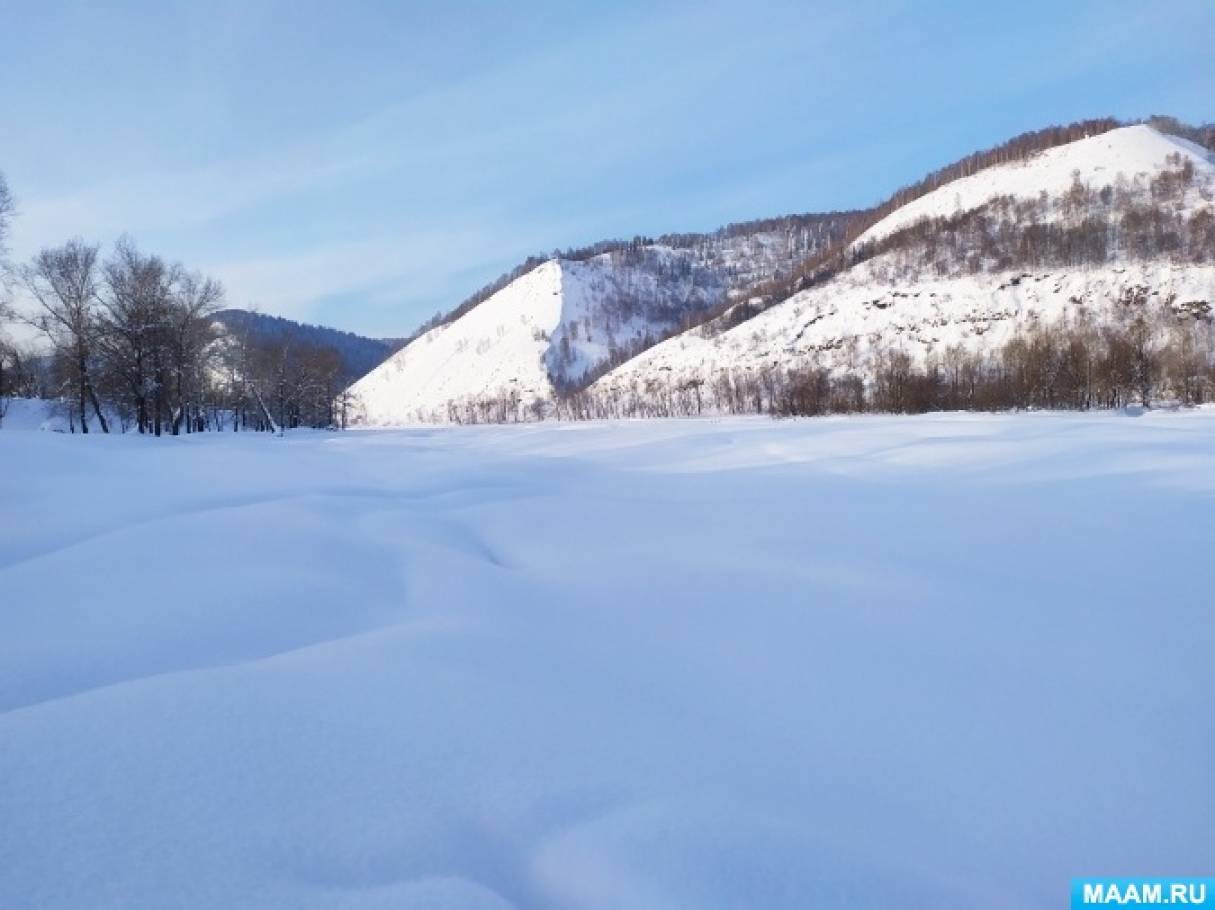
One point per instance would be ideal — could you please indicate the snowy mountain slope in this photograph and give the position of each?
(908, 281)
(840, 325)
(919, 301)
(500, 345)
(617, 301)
(1097, 160)
(564, 320)
(551, 325)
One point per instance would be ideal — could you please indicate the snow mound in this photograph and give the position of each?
(1097, 160)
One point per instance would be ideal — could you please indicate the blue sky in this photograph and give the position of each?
(364, 165)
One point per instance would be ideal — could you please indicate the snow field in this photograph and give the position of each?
(944, 661)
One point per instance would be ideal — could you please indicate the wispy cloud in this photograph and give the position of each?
(293, 283)
(440, 181)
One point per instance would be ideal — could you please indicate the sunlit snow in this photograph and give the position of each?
(942, 661)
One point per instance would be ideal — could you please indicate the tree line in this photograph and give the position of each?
(133, 344)
(1068, 365)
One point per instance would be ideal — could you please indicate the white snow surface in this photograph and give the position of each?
(29, 414)
(1098, 161)
(931, 662)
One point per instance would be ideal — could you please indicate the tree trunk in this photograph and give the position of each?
(82, 374)
(105, 427)
(181, 405)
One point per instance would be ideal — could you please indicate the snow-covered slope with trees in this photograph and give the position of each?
(559, 324)
(1098, 232)
(849, 324)
(1091, 223)
(1127, 153)
(498, 346)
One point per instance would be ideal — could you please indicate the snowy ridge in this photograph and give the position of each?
(1097, 161)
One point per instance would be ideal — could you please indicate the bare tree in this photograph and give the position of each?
(63, 281)
(195, 299)
(136, 322)
(9, 363)
(7, 208)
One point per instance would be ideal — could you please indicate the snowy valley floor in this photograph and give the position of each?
(947, 661)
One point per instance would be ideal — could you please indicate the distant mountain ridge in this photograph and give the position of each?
(359, 354)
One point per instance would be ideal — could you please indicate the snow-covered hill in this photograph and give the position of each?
(840, 326)
(499, 345)
(916, 300)
(568, 318)
(1084, 227)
